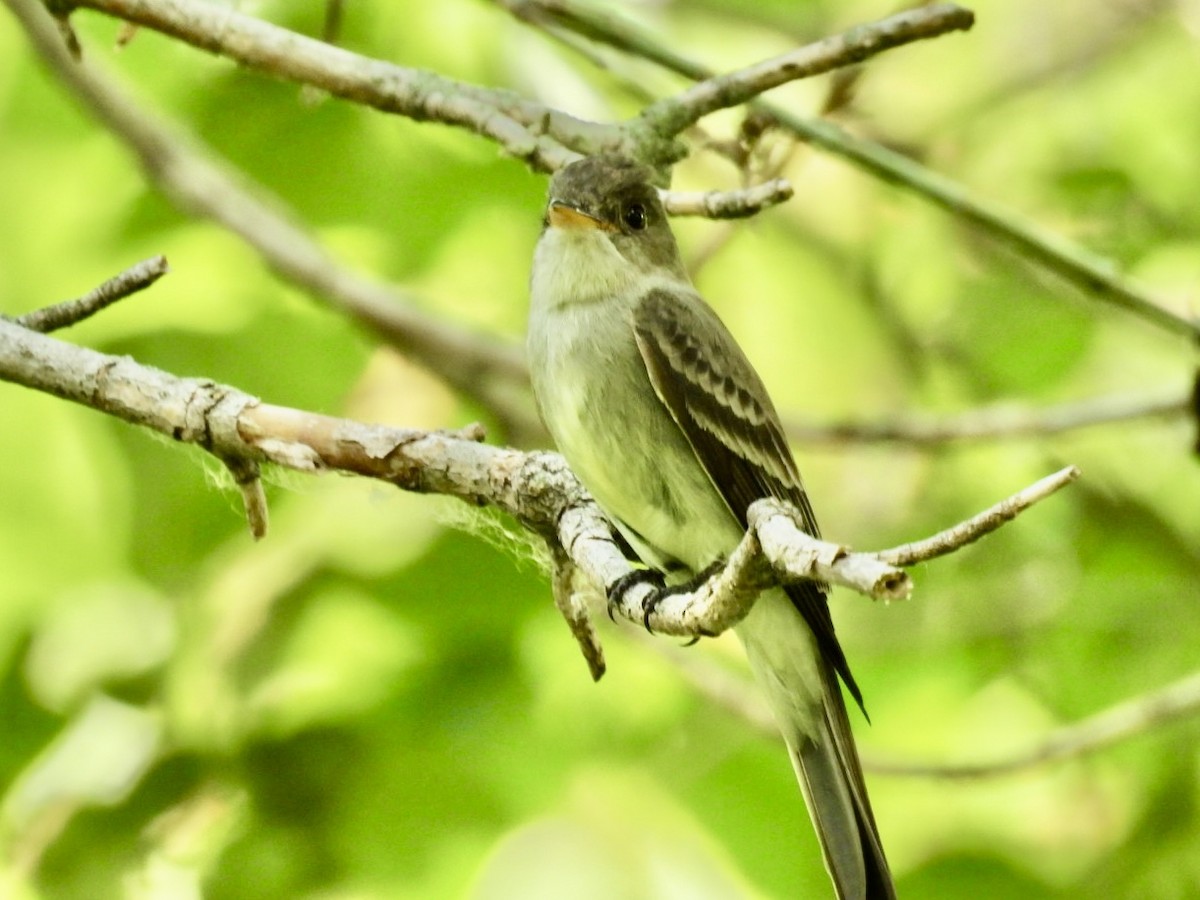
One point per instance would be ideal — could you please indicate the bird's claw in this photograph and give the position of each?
(617, 590)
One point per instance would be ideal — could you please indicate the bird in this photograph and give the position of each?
(662, 417)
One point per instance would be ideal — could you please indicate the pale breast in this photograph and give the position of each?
(598, 403)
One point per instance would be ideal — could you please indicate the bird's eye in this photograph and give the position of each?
(635, 216)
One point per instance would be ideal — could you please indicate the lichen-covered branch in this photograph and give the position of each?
(537, 488)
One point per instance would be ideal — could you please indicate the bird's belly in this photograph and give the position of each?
(643, 472)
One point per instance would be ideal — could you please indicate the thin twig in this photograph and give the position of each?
(331, 28)
(673, 114)
(977, 526)
(572, 606)
(1118, 723)
(136, 278)
(1092, 274)
(1121, 722)
(247, 477)
(994, 422)
(736, 204)
(607, 25)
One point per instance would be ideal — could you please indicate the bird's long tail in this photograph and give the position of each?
(804, 694)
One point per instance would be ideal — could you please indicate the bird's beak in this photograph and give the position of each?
(562, 215)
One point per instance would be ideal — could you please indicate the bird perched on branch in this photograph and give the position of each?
(664, 420)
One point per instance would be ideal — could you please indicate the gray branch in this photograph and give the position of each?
(202, 184)
(1121, 722)
(728, 204)
(997, 422)
(673, 115)
(1092, 274)
(524, 128)
(136, 278)
(1111, 726)
(537, 489)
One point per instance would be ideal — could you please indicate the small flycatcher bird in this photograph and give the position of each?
(664, 420)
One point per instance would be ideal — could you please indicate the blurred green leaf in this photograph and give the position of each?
(99, 634)
(343, 656)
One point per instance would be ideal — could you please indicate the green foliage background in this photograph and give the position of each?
(372, 703)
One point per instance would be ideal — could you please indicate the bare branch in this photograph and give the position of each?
(1118, 723)
(572, 605)
(775, 550)
(247, 477)
(994, 422)
(673, 115)
(1092, 274)
(136, 278)
(728, 204)
(544, 138)
(331, 29)
(535, 488)
(977, 526)
(505, 117)
(234, 425)
(203, 185)
(738, 695)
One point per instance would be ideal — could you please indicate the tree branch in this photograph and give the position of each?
(537, 489)
(525, 129)
(1111, 726)
(728, 204)
(544, 138)
(977, 526)
(672, 115)
(996, 422)
(1121, 722)
(1094, 275)
(203, 185)
(136, 278)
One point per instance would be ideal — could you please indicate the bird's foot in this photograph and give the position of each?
(617, 590)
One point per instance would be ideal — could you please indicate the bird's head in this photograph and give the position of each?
(603, 202)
